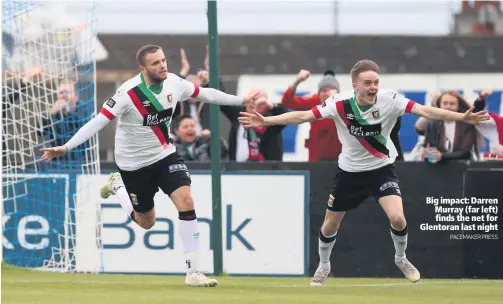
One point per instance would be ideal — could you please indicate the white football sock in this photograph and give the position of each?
(190, 238)
(325, 249)
(399, 238)
(124, 200)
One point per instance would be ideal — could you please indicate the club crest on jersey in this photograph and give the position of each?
(170, 98)
(330, 202)
(376, 114)
(134, 199)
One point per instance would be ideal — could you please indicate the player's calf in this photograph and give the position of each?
(182, 199)
(145, 220)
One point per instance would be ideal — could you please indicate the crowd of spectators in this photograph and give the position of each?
(438, 141)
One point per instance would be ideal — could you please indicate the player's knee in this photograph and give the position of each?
(330, 227)
(148, 224)
(187, 202)
(145, 220)
(397, 220)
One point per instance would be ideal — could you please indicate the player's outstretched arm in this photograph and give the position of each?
(211, 95)
(433, 113)
(256, 120)
(87, 131)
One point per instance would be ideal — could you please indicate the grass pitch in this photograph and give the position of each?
(20, 286)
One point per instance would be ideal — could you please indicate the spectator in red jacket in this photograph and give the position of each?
(491, 129)
(323, 142)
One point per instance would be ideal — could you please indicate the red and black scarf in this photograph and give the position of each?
(255, 137)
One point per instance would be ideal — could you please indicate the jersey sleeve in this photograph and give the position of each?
(401, 103)
(189, 89)
(116, 104)
(326, 109)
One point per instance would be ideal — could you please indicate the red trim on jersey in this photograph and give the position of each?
(157, 130)
(365, 144)
(196, 91)
(499, 125)
(409, 106)
(342, 114)
(107, 113)
(316, 112)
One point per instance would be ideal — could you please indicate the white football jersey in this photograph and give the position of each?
(365, 135)
(142, 134)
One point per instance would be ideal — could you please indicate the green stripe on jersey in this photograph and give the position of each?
(359, 118)
(153, 100)
(157, 105)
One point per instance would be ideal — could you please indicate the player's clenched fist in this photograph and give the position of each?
(303, 75)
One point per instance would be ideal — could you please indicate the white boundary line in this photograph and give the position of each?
(162, 282)
(460, 281)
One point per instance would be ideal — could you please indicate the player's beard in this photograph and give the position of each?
(155, 78)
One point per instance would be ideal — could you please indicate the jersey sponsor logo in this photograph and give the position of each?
(177, 167)
(390, 185)
(365, 130)
(158, 118)
(146, 103)
(110, 102)
(350, 116)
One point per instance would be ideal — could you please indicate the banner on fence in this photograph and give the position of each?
(35, 227)
(264, 220)
(414, 86)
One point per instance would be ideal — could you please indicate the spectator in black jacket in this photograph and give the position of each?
(192, 147)
(255, 144)
(451, 140)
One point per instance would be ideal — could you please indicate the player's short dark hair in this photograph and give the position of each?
(182, 118)
(144, 50)
(363, 66)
